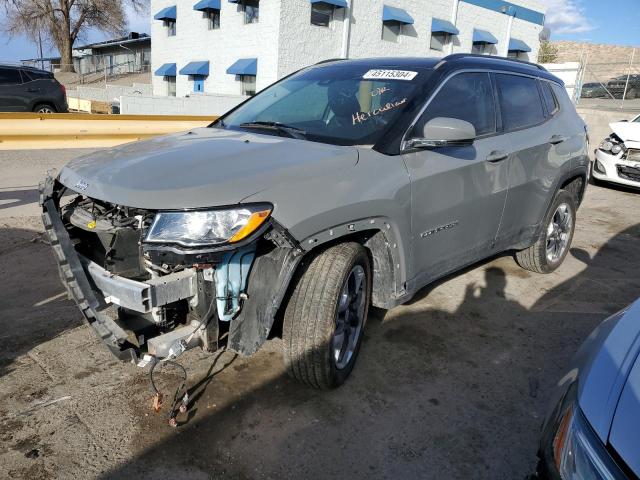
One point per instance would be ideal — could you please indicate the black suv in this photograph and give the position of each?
(27, 89)
(629, 83)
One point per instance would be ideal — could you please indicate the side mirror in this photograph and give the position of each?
(444, 132)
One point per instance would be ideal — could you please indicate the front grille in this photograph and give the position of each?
(628, 173)
(633, 155)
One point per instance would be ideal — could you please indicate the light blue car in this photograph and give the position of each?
(594, 430)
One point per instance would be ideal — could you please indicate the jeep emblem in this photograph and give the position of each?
(81, 185)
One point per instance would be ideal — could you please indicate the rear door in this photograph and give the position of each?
(458, 193)
(11, 90)
(540, 152)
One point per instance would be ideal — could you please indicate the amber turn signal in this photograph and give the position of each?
(255, 220)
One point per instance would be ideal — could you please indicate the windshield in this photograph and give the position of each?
(337, 104)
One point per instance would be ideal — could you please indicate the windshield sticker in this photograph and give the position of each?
(361, 117)
(379, 91)
(390, 75)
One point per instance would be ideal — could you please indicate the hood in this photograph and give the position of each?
(629, 132)
(626, 422)
(205, 167)
(604, 363)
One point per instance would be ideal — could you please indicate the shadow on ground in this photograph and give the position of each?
(32, 299)
(436, 394)
(17, 198)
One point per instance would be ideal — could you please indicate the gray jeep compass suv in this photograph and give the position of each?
(347, 184)
(27, 89)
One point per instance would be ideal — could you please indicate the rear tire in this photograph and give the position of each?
(44, 108)
(325, 317)
(551, 248)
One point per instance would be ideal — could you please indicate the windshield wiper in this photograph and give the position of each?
(293, 132)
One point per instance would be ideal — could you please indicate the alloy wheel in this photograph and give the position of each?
(559, 233)
(350, 317)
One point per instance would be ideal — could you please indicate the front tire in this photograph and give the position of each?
(325, 317)
(551, 248)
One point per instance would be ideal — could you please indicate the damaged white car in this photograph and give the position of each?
(618, 156)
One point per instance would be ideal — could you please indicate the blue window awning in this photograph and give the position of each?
(195, 68)
(166, 70)
(244, 66)
(516, 45)
(443, 26)
(393, 14)
(482, 36)
(335, 3)
(204, 5)
(168, 13)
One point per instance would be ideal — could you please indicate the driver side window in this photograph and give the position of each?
(466, 96)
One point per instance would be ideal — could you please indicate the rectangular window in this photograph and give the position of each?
(321, 14)
(248, 84)
(513, 54)
(10, 76)
(213, 19)
(251, 9)
(171, 27)
(520, 101)
(549, 99)
(171, 86)
(391, 31)
(438, 41)
(480, 48)
(466, 96)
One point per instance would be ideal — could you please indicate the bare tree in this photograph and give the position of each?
(63, 21)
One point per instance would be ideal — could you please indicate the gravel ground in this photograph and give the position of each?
(454, 384)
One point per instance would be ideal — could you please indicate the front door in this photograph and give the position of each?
(458, 194)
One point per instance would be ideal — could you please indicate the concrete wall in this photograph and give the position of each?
(222, 48)
(109, 93)
(194, 105)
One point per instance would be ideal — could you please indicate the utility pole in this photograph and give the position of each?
(40, 48)
(626, 86)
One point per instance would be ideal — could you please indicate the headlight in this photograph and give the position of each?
(210, 227)
(578, 452)
(606, 145)
(616, 149)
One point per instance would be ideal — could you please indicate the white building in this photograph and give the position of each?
(235, 47)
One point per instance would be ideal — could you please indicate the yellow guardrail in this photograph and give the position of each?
(26, 131)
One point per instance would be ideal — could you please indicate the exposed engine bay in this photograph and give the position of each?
(158, 299)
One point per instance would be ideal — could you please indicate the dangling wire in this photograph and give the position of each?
(178, 396)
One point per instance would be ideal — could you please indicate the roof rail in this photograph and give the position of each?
(328, 60)
(459, 56)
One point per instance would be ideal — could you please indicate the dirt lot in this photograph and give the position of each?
(453, 385)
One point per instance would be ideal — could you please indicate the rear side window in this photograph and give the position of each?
(9, 76)
(466, 96)
(549, 99)
(520, 101)
(30, 75)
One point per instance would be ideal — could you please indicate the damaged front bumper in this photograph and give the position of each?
(230, 301)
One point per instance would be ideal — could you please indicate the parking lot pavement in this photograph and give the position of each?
(453, 385)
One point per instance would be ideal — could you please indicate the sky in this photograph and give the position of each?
(596, 21)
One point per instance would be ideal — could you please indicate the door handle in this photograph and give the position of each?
(557, 139)
(32, 90)
(496, 156)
